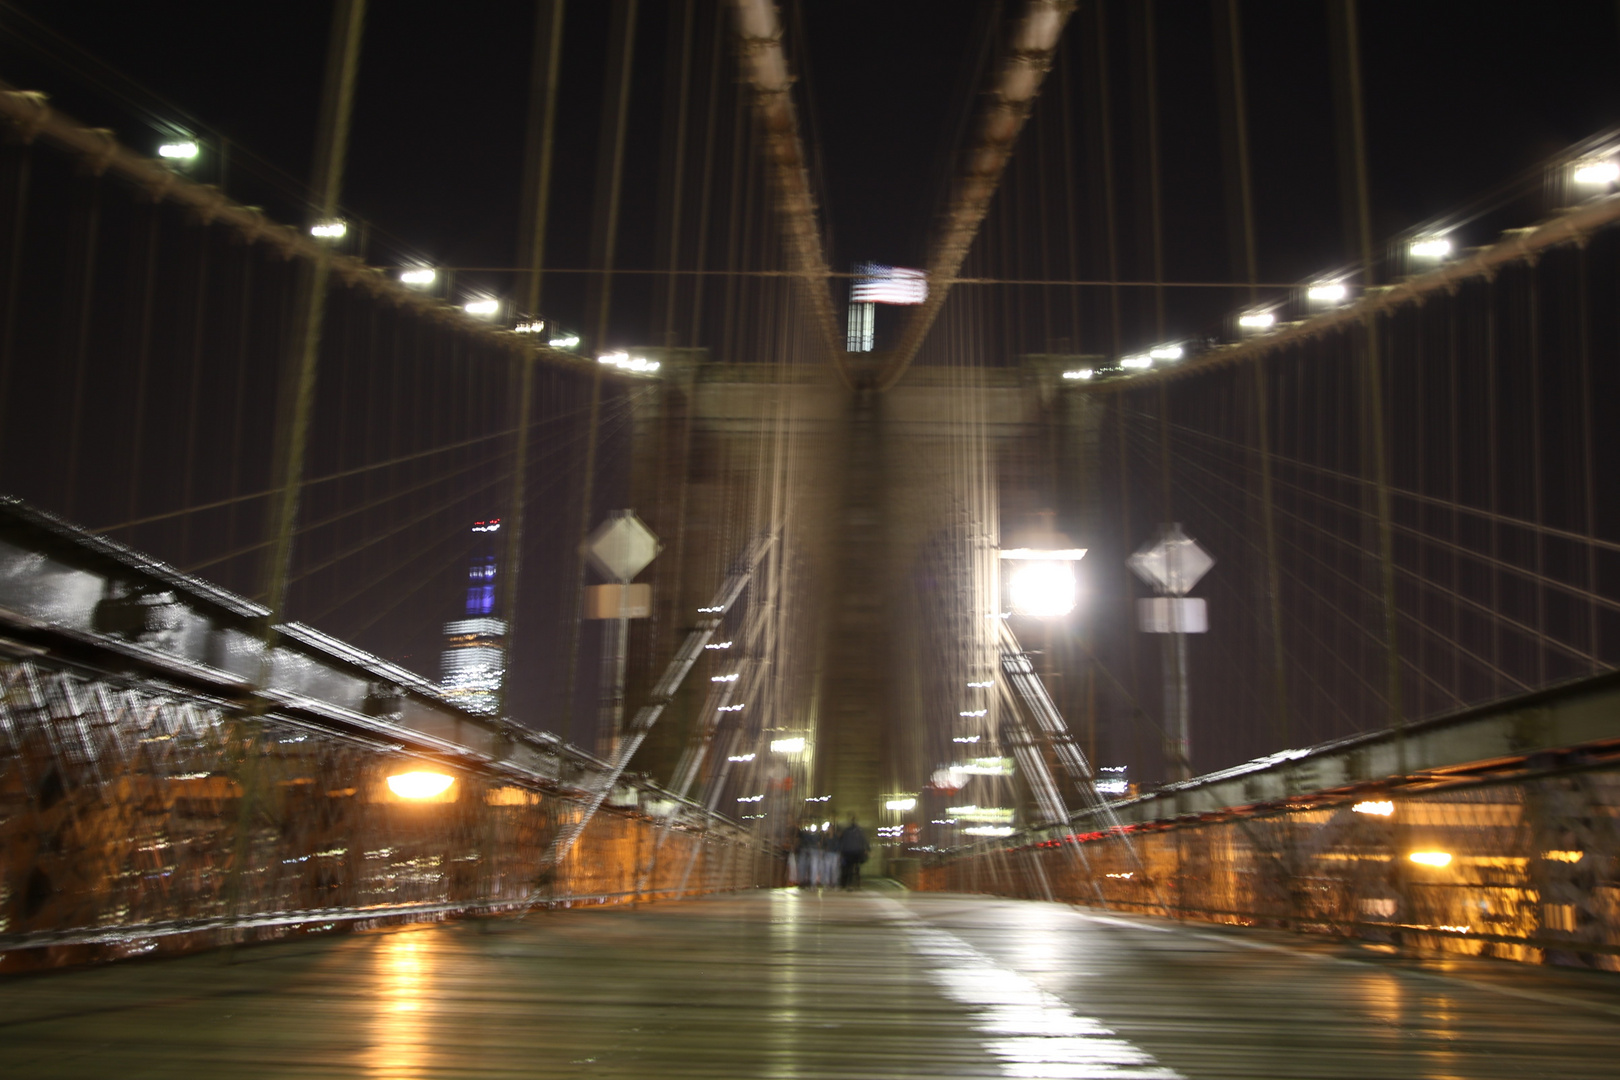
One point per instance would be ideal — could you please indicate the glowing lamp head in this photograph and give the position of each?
(1597, 172)
(1431, 858)
(1257, 320)
(329, 230)
(483, 307)
(1430, 247)
(901, 805)
(1043, 590)
(787, 746)
(421, 275)
(1375, 807)
(184, 150)
(1328, 292)
(420, 784)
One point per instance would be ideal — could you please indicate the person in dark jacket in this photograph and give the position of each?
(853, 849)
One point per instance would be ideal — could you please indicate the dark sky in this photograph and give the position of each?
(1461, 95)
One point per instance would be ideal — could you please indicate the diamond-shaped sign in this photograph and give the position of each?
(1173, 565)
(622, 546)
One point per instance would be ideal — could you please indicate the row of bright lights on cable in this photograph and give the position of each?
(1594, 172)
(625, 362)
(1139, 362)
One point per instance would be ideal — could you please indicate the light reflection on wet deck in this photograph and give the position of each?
(790, 985)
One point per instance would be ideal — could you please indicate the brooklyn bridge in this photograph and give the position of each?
(1048, 538)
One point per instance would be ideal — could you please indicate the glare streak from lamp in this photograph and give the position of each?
(1380, 808)
(1431, 858)
(420, 784)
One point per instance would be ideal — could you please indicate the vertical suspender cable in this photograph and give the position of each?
(548, 21)
(1374, 396)
(19, 168)
(609, 171)
(298, 389)
(1262, 399)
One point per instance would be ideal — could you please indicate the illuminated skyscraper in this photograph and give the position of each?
(474, 660)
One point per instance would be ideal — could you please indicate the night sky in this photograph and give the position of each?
(1460, 97)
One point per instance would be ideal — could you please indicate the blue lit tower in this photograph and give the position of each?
(474, 660)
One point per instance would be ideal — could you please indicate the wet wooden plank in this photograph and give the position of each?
(786, 984)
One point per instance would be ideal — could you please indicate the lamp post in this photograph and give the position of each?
(620, 548)
(1172, 566)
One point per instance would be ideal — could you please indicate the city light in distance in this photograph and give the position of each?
(1079, 373)
(1563, 856)
(731, 708)
(536, 327)
(710, 610)
(750, 798)
(787, 746)
(1113, 787)
(724, 678)
(988, 830)
(718, 645)
(900, 804)
(1602, 171)
(741, 757)
(1040, 555)
(567, 341)
(492, 525)
(483, 306)
(421, 275)
(1257, 320)
(420, 784)
(1044, 590)
(1431, 858)
(184, 150)
(818, 798)
(329, 230)
(1166, 352)
(1332, 292)
(1430, 247)
(973, 712)
(965, 739)
(1381, 809)
(958, 811)
(985, 685)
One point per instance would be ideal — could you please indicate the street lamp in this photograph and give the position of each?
(1041, 583)
(181, 151)
(1430, 247)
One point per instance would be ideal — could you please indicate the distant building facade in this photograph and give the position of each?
(474, 658)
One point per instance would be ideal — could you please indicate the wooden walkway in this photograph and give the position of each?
(791, 985)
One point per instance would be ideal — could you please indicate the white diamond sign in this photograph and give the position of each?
(1173, 565)
(622, 546)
